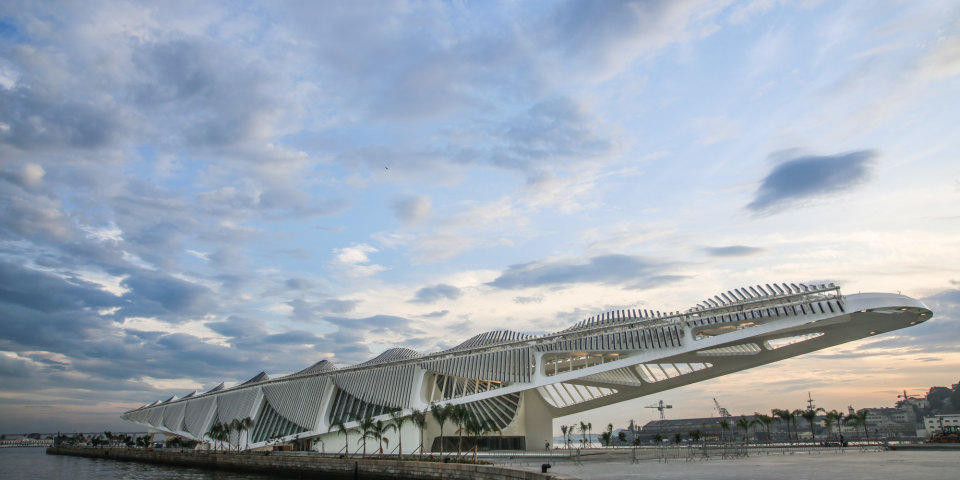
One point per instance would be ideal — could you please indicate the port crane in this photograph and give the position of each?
(906, 398)
(723, 411)
(660, 407)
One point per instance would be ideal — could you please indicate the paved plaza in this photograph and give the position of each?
(850, 465)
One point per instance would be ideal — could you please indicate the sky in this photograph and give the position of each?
(194, 192)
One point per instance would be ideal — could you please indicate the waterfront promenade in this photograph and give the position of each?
(668, 463)
(300, 465)
(802, 463)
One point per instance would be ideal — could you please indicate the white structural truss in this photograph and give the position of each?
(520, 382)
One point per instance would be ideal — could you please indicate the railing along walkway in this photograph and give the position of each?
(668, 453)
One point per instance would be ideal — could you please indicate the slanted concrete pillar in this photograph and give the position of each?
(535, 419)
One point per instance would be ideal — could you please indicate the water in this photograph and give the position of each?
(34, 463)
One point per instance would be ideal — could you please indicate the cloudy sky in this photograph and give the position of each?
(197, 192)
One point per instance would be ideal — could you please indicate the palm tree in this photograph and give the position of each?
(366, 431)
(764, 420)
(583, 431)
(227, 430)
(213, 434)
(795, 414)
(724, 426)
(787, 417)
(379, 430)
(859, 418)
(810, 415)
(440, 414)
(346, 435)
(743, 423)
(459, 414)
(398, 420)
(833, 417)
(234, 427)
(828, 422)
(607, 436)
(419, 418)
(219, 432)
(563, 430)
(475, 427)
(241, 425)
(589, 433)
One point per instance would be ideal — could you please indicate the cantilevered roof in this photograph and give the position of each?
(609, 318)
(393, 354)
(260, 377)
(759, 292)
(215, 389)
(319, 367)
(499, 347)
(490, 338)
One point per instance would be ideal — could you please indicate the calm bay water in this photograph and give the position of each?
(35, 464)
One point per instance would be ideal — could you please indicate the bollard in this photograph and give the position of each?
(544, 467)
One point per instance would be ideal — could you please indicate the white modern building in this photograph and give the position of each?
(518, 383)
(936, 424)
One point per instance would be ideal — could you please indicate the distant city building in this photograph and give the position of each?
(26, 441)
(935, 423)
(891, 422)
(516, 383)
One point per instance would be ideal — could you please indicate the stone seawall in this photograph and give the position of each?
(308, 466)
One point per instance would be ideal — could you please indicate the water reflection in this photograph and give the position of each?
(27, 463)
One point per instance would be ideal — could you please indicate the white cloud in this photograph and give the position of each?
(943, 62)
(32, 174)
(354, 260)
(196, 328)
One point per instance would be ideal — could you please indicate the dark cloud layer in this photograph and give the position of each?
(606, 269)
(812, 176)
(602, 36)
(49, 293)
(732, 251)
(437, 292)
(155, 294)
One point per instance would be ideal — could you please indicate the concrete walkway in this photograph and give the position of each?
(850, 465)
